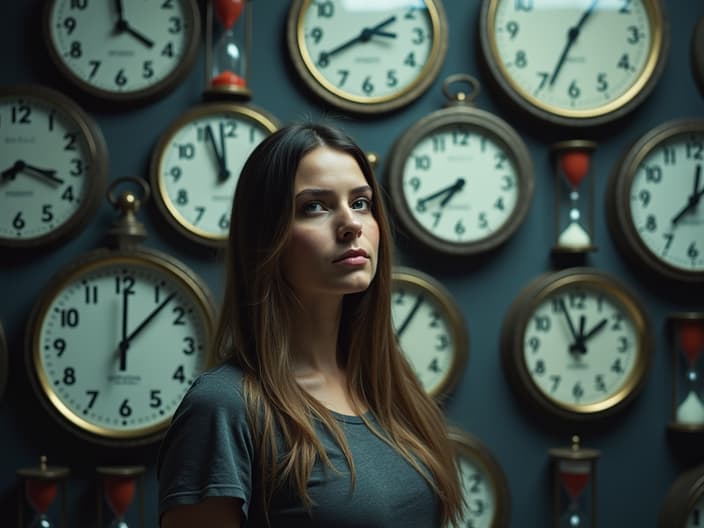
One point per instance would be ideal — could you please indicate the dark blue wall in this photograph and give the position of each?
(638, 463)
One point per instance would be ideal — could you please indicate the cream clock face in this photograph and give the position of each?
(460, 184)
(696, 517)
(480, 502)
(118, 345)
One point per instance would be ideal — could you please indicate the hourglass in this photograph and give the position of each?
(118, 489)
(227, 48)
(686, 337)
(574, 197)
(574, 478)
(41, 485)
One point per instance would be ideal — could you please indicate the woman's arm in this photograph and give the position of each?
(223, 512)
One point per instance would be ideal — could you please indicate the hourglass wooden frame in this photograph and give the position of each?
(687, 407)
(120, 472)
(42, 473)
(573, 454)
(574, 195)
(220, 90)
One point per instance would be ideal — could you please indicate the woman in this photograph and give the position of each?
(312, 417)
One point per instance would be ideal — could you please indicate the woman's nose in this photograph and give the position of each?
(350, 226)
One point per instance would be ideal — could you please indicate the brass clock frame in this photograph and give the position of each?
(161, 87)
(697, 54)
(460, 112)
(599, 115)
(96, 173)
(684, 494)
(164, 204)
(470, 447)
(315, 81)
(88, 263)
(419, 280)
(520, 314)
(618, 203)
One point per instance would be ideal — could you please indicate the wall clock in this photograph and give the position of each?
(122, 50)
(598, 61)
(367, 57)
(683, 506)
(653, 200)
(115, 340)
(430, 330)
(697, 53)
(484, 484)
(576, 344)
(196, 164)
(4, 368)
(460, 179)
(54, 166)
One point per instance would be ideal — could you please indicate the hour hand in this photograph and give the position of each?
(21, 166)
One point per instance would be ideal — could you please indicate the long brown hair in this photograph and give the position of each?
(253, 332)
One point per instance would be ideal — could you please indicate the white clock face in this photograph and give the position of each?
(594, 57)
(665, 197)
(425, 334)
(199, 166)
(368, 51)
(119, 345)
(122, 46)
(696, 517)
(581, 347)
(46, 161)
(460, 184)
(480, 503)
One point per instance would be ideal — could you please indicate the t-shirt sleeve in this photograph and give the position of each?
(208, 449)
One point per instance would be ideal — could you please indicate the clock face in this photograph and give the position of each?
(596, 58)
(117, 343)
(368, 56)
(696, 516)
(53, 166)
(430, 330)
(197, 163)
(127, 49)
(480, 507)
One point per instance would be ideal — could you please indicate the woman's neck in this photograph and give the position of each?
(315, 327)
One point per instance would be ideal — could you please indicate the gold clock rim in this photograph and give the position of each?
(519, 315)
(469, 446)
(619, 216)
(615, 109)
(682, 497)
(103, 258)
(309, 73)
(493, 126)
(165, 205)
(95, 177)
(162, 87)
(455, 319)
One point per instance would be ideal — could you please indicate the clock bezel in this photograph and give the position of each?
(520, 314)
(161, 87)
(681, 498)
(103, 258)
(618, 204)
(322, 88)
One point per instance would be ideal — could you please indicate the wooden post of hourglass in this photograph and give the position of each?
(118, 486)
(574, 197)
(574, 477)
(686, 337)
(38, 488)
(227, 44)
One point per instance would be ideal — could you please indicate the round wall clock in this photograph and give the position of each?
(597, 62)
(697, 53)
(4, 368)
(653, 201)
(54, 166)
(576, 344)
(484, 484)
(122, 50)
(684, 503)
(367, 57)
(118, 336)
(430, 329)
(196, 164)
(460, 179)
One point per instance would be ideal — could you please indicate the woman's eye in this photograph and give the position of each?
(361, 203)
(312, 207)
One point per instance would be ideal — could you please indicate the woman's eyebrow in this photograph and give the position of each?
(315, 192)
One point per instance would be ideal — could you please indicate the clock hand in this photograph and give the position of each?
(122, 26)
(450, 190)
(364, 36)
(595, 330)
(125, 342)
(120, 11)
(222, 169)
(569, 320)
(223, 154)
(21, 166)
(572, 35)
(404, 325)
(693, 199)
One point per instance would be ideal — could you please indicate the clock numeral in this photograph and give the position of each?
(624, 62)
(191, 348)
(539, 369)
(326, 9)
(182, 197)
(200, 211)
(460, 229)
(91, 294)
(94, 67)
(599, 383)
(69, 376)
(644, 197)
(653, 173)
(180, 313)
(617, 367)
(651, 223)
(70, 24)
(224, 222)
(125, 409)
(121, 78)
(92, 395)
(168, 50)
(176, 25)
(175, 173)
(367, 85)
(633, 35)
(501, 159)
(521, 60)
(512, 27)
(542, 323)
(476, 508)
(555, 379)
(167, 4)
(21, 114)
(624, 345)
(573, 91)
(534, 344)
(422, 162)
(670, 155)
(499, 204)
(59, 345)
(124, 284)
(475, 480)
(577, 391)
(186, 151)
(18, 222)
(78, 4)
(434, 366)
(438, 143)
(410, 60)
(694, 149)
(693, 252)
(524, 5)
(544, 76)
(68, 195)
(391, 79)
(482, 222)
(155, 399)
(317, 34)
(626, 7)
(69, 317)
(179, 375)
(147, 70)
(601, 84)
(70, 138)
(76, 51)
(618, 320)
(443, 342)
(47, 215)
(419, 36)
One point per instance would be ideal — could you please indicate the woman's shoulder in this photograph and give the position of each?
(221, 383)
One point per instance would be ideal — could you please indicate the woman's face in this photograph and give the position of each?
(334, 240)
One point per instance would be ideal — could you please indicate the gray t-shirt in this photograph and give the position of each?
(209, 451)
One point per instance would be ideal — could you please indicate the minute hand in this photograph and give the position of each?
(572, 35)
(146, 321)
(363, 36)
